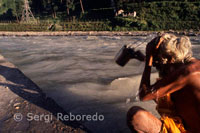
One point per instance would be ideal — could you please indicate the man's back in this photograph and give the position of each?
(187, 99)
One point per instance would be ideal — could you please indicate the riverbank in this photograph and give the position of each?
(95, 33)
(25, 108)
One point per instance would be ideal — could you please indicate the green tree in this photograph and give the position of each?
(11, 7)
(52, 6)
(70, 6)
(82, 6)
(17, 9)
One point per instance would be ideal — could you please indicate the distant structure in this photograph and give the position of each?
(123, 14)
(119, 12)
(27, 15)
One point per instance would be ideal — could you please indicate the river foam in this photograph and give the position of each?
(79, 72)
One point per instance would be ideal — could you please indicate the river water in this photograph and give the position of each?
(79, 72)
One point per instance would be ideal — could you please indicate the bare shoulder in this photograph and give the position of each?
(194, 66)
(194, 74)
(185, 70)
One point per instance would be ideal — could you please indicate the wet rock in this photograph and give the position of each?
(23, 105)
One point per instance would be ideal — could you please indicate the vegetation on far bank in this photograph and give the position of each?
(67, 15)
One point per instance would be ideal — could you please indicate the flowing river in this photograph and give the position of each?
(80, 74)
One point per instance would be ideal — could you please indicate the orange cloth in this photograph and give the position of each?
(172, 125)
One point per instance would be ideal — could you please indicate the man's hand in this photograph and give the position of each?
(151, 49)
(151, 46)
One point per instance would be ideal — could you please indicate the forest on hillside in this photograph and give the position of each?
(12, 9)
(148, 14)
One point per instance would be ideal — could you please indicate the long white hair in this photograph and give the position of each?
(174, 49)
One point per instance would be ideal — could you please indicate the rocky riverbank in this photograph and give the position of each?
(25, 108)
(94, 33)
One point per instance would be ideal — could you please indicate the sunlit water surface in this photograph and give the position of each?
(79, 72)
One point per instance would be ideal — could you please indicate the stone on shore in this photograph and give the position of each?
(25, 108)
(95, 33)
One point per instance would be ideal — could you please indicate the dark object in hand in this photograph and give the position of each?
(127, 53)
